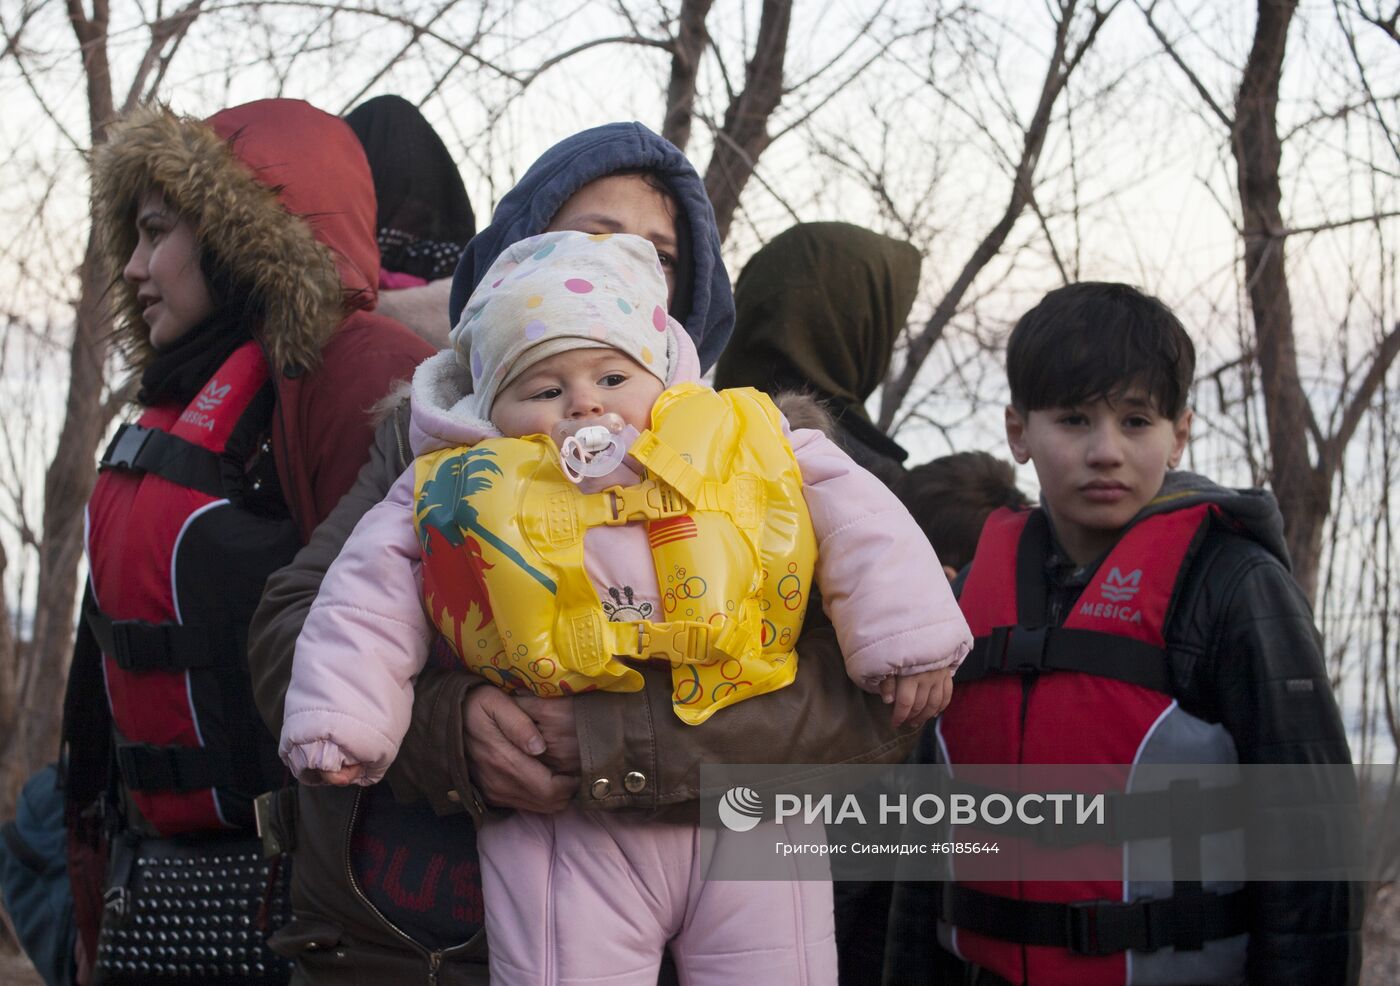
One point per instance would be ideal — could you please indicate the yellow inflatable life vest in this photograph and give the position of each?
(501, 531)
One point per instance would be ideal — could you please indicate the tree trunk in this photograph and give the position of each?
(744, 135)
(9, 684)
(688, 48)
(68, 482)
(1302, 488)
(97, 69)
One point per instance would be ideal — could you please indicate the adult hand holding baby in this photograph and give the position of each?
(513, 743)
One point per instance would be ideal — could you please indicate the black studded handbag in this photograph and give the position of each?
(192, 910)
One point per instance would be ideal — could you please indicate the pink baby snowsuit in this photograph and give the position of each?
(585, 896)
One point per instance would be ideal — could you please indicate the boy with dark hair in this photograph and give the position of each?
(1138, 615)
(951, 497)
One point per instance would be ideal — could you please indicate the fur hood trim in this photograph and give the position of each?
(443, 414)
(251, 219)
(803, 410)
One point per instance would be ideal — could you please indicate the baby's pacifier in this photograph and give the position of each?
(591, 446)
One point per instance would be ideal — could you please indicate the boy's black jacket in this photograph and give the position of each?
(1243, 652)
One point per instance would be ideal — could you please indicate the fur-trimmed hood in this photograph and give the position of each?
(295, 229)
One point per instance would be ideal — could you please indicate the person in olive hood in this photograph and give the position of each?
(817, 310)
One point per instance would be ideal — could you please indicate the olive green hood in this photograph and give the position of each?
(820, 307)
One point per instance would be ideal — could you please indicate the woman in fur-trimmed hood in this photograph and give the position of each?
(244, 271)
(282, 203)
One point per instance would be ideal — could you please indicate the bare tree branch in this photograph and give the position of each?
(1341, 112)
(414, 37)
(1191, 77)
(1359, 403)
(1334, 224)
(442, 76)
(97, 72)
(406, 21)
(687, 48)
(621, 39)
(1364, 78)
(1049, 238)
(746, 118)
(851, 76)
(1302, 486)
(721, 137)
(861, 32)
(162, 31)
(1058, 69)
(1386, 24)
(12, 50)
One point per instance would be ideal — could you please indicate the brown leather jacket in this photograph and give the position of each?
(338, 937)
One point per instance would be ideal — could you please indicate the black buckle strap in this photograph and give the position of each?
(1016, 650)
(136, 448)
(140, 646)
(1111, 656)
(1006, 650)
(166, 768)
(1096, 927)
(116, 898)
(124, 451)
(1040, 649)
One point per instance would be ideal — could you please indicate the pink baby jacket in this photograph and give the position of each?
(367, 635)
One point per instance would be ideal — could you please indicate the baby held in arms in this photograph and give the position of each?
(581, 506)
(573, 479)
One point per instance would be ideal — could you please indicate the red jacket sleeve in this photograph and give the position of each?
(324, 422)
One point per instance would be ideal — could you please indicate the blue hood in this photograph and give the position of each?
(574, 162)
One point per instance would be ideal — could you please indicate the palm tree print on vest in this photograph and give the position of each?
(444, 505)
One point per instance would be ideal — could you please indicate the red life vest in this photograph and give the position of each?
(1096, 689)
(180, 539)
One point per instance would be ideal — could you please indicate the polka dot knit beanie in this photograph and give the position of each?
(555, 292)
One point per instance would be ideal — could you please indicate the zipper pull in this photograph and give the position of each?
(434, 964)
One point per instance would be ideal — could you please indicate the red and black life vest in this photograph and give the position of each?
(1095, 689)
(183, 528)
